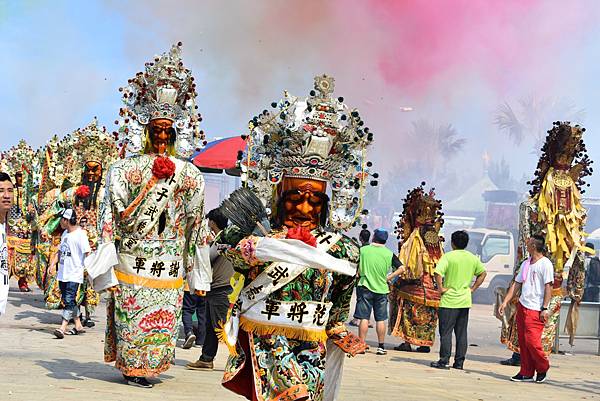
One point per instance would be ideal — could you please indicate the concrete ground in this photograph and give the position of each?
(36, 366)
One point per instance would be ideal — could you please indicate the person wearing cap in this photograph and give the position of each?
(74, 247)
(374, 265)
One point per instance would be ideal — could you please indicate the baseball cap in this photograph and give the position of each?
(67, 214)
(380, 235)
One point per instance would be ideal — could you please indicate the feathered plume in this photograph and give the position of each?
(244, 209)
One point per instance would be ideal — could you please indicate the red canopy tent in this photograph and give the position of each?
(220, 155)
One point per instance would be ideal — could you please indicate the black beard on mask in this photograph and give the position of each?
(90, 201)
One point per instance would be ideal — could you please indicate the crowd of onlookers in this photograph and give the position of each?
(458, 274)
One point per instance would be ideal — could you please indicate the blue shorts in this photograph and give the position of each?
(367, 300)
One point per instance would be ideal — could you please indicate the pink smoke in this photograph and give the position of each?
(427, 40)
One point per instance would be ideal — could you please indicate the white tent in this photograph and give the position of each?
(472, 199)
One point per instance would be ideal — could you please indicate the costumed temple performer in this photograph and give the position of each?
(50, 179)
(554, 211)
(151, 216)
(414, 299)
(295, 273)
(18, 162)
(86, 155)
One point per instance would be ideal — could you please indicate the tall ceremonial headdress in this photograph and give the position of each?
(19, 158)
(420, 208)
(89, 144)
(165, 90)
(93, 143)
(49, 175)
(564, 149)
(318, 138)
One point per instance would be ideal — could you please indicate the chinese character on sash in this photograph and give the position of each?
(278, 274)
(174, 269)
(130, 243)
(162, 194)
(139, 264)
(319, 314)
(323, 237)
(271, 308)
(297, 311)
(157, 268)
(151, 211)
(253, 291)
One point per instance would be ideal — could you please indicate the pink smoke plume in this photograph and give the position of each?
(427, 40)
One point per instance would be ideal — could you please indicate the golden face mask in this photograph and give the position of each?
(92, 171)
(161, 136)
(303, 201)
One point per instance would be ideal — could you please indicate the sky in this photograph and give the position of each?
(451, 61)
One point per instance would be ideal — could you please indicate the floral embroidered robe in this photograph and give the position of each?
(276, 366)
(155, 223)
(47, 238)
(414, 300)
(19, 240)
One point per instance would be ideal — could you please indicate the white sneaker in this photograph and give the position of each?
(381, 351)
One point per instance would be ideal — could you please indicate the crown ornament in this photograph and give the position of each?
(49, 165)
(89, 144)
(93, 143)
(421, 208)
(165, 90)
(564, 148)
(19, 158)
(317, 138)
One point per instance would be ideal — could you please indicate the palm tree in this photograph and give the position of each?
(499, 173)
(436, 145)
(432, 146)
(534, 117)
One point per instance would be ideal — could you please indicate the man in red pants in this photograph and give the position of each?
(535, 281)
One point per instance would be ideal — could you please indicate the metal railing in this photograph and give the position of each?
(588, 327)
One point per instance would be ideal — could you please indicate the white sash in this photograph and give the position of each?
(140, 223)
(166, 267)
(308, 315)
(253, 308)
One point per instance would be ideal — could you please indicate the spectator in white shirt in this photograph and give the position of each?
(535, 281)
(74, 247)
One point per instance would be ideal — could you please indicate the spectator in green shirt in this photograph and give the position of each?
(364, 237)
(371, 292)
(453, 274)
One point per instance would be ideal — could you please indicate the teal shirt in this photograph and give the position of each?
(458, 268)
(374, 265)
